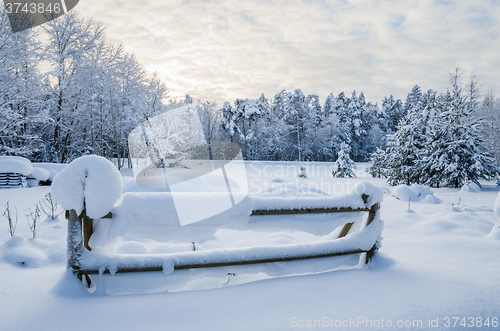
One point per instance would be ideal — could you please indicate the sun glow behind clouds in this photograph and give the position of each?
(228, 49)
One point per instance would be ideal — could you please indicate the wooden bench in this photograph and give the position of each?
(80, 231)
(11, 180)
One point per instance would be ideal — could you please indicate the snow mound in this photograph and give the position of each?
(40, 174)
(92, 180)
(15, 164)
(375, 193)
(495, 232)
(497, 206)
(287, 195)
(281, 188)
(385, 189)
(52, 168)
(154, 215)
(470, 187)
(31, 252)
(415, 193)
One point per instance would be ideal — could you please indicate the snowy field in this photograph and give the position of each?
(438, 264)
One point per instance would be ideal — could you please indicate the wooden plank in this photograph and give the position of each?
(88, 230)
(86, 223)
(370, 253)
(345, 230)
(307, 211)
(223, 264)
(372, 213)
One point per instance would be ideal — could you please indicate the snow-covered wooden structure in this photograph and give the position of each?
(361, 237)
(12, 180)
(364, 241)
(13, 171)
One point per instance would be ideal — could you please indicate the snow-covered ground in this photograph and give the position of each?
(439, 261)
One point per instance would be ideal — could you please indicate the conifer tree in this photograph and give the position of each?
(378, 164)
(343, 166)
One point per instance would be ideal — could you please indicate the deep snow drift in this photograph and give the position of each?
(438, 261)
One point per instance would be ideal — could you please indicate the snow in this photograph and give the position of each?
(497, 206)
(434, 263)
(414, 193)
(92, 180)
(15, 164)
(52, 168)
(154, 215)
(289, 195)
(39, 174)
(362, 240)
(470, 187)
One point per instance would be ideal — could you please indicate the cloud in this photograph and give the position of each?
(223, 50)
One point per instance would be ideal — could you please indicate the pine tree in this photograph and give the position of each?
(296, 117)
(464, 154)
(378, 164)
(343, 166)
(405, 148)
(357, 131)
(489, 111)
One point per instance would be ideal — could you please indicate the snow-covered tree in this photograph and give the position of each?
(296, 117)
(357, 131)
(462, 154)
(489, 111)
(405, 148)
(392, 112)
(378, 164)
(343, 166)
(20, 98)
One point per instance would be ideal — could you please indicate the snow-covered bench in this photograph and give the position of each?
(13, 171)
(88, 189)
(18, 172)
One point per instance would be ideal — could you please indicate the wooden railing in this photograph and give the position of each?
(80, 231)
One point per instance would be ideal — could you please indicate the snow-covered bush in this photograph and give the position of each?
(38, 175)
(470, 187)
(89, 182)
(8, 215)
(344, 165)
(49, 207)
(414, 193)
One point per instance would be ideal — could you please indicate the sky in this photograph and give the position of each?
(228, 49)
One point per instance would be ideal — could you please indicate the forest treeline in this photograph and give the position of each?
(66, 92)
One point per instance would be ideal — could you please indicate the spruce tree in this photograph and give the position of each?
(378, 164)
(464, 154)
(405, 148)
(344, 166)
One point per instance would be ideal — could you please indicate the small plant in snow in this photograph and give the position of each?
(8, 215)
(303, 173)
(344, 165)
(34, 216)
(49, 207)
(231, 276)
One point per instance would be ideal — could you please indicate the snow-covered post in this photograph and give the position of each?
(372, 197)
(75, 240)
(87, 189)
